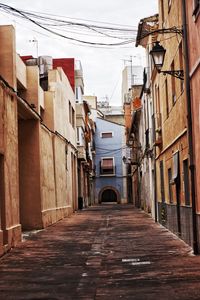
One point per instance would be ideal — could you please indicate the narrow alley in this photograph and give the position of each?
(104, 252)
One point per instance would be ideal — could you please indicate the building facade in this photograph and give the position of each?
(110, 171)
(85, 145)
(192, 27)
(38, 103)
(112, 113)
(170, 124)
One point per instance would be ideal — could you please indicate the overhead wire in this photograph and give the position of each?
(46, 23)
(88, 20)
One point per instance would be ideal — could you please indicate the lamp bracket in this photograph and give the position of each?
(176, 73)
(173, 29)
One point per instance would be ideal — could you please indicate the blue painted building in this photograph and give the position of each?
(110, 179)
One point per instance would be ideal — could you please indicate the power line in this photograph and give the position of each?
(46, 23)
(88, 20)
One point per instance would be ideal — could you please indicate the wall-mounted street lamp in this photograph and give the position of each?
(158, 55)
(129, 161)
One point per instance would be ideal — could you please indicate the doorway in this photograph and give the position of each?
(109, 195)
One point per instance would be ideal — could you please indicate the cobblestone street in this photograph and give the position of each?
(104, 252)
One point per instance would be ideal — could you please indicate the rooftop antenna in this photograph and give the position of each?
(131, 61)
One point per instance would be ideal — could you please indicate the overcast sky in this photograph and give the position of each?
(102, 67)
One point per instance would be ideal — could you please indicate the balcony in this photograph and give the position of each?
(158, 121)
(93, 147)
(81, 153)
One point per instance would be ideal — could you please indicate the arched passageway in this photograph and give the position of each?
(109, 195)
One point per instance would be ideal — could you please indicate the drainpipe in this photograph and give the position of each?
(155, 194)
(189, 124)
(155, 173)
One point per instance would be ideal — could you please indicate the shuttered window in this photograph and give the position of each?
(105, 135)
(107, 166)
(196, 6)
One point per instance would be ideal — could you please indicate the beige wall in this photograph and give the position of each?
(8, 55)
(29, 174)
(48, 117)
(10, 228)
(57, 100)
(119, 119)
(194, 64)
(176, 118)
(174, 123)
(32, 93)
(54, 179)
(48, 178)
(21, 72)
(38, 177)
(44, 152)
(91, 100)
(62, 92)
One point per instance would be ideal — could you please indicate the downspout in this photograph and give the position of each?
(154, 157)
(155, 176)
(190, 133)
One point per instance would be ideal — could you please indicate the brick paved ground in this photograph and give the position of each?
(105, 252)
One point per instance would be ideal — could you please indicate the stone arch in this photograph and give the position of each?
(111, 188)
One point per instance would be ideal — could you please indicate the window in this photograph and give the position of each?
(169, 185)
(70, 113)
(76, 93)
(162, 13)
(66, 157)
(173, 85)
(186, 182)
(196, 5)
(166, 98)
(157, 94)
(78, 135)
(176, 168)
(106, 135)
(169, 5)
(147, 138)
(73, 117)
(107, 166)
